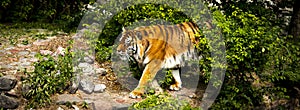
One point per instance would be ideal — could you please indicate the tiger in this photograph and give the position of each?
(158, 47)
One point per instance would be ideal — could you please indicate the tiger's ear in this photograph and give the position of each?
(139, 35)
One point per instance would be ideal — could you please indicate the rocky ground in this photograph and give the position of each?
(99, 90)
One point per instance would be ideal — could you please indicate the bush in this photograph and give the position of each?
(36, 10)
(162, 102)
(50, 76)
(257, 58)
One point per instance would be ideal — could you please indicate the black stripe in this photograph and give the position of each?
(171, 29)
(167, 33)
(196, 27)
(146, 48)
(192, 27)
(174, 57)
(189, 45)
(135, 48)
(161, 30)
(181, 31)
(182, 27)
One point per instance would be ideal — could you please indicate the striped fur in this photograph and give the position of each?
(156, 47)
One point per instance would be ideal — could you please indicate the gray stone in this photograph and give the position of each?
(33, 59)
(8, 52)
(23, 53)
(87, 86)
(14, 63)
(46, 52)
(2, 51)
(99, 88)
(32, 54)
(101, 71)
(102, 105)
(74, 85)
(6, 66)
(23, 59)
(9, 47)
(86, 68)
(8, 103)
(64, 98)
(75, 107)
(25, 64)
(88, 60)
(7, 84)
(120, 107)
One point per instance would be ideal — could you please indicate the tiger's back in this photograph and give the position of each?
(170, 43)
(159, 46)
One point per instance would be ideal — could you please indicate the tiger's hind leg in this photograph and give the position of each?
(178, 83)
(148, 75)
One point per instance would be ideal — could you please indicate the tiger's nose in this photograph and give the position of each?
(119, 51)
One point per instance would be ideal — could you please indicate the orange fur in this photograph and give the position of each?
(156, 47)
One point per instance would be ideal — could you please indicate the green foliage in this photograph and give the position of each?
(168, 80)
(36, 10)
(50, 76)
(255, 53)
(161, 102)
(256, 50)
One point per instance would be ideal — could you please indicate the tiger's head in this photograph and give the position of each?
(128, 44)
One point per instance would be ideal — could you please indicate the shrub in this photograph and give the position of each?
(162, 102)
(256, 53)
(50, 76)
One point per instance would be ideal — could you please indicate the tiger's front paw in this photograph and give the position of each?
(136, 94)
(175, 87)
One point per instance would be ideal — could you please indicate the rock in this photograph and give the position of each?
(102, 105)
(25, 64)
(2, 51)
(121, 107)
(8, 53)
(23, 53)
(86, 68)
(59, 108)
(12, 93)
(99, 88)
(60, 51)
(8, 103)
(101, 71)
(7, 84)
(23, 59)
(64, 98)
(10, 47)
(32, 54)
(86, 86)
(46, 52)
(88, 60)
(41, 42)
(74, 86)
(14, 63)
(6, 66)
(75, 107)
(33, 59)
